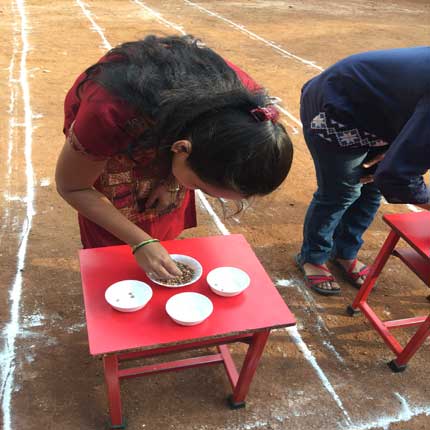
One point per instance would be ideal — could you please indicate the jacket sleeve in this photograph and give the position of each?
(399, 175)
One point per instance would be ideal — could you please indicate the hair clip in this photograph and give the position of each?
(268, 113)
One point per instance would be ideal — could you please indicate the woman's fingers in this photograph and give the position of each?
(373, 161)
(171, 267)
(167, 270)
(161, 273)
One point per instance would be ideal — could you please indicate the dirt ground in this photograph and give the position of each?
(49, 380)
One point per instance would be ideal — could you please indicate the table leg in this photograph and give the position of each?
(374, 272)
(110, 363)
(399, 364)
(250, 364)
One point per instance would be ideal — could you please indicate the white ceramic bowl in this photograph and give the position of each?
(189, 308)
(228, 281)
(128, 295)
(184, 259)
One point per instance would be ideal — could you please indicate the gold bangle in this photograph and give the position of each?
(134, 248)
(171, 184)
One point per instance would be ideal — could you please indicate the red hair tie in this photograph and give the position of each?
(268, 113)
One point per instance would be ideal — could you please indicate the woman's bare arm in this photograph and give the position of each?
(75, 175)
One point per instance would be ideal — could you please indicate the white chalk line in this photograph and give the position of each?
(106, 45)
(4, 356)
(313, 306)
(220, 225)
(333, 350)
(160, 18)
(321, 326)
(10, 138)
(298, 341)
(255, 36)
(405, 414)
(13, 327)
(289, 115)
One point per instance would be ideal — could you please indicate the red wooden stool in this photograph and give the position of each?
(414, 228)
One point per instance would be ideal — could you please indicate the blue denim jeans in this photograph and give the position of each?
(341, 209)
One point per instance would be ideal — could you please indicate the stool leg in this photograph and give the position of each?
(375, 270)
(250, 364)
(110, 363)
(412, 346)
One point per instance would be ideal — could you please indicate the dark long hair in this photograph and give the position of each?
(187, 91)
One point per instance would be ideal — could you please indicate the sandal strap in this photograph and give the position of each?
(363, 272)
(320, 266)
(319, 279)
(351, 267)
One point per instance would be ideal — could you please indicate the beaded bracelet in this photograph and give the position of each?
(134, 248)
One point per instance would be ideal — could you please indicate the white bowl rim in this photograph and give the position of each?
(198, 296)
(212, 273)
(136, 282)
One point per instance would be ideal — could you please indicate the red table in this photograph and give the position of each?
(118, 336)
(413, 228)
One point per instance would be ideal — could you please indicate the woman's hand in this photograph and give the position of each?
(369, 163)
(155, 260)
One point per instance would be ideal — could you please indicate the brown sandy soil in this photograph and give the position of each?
(56, 384)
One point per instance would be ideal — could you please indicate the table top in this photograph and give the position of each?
(414, 228)
(259, 307)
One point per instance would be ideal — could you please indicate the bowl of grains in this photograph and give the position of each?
(128, 295)
(191, 272)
